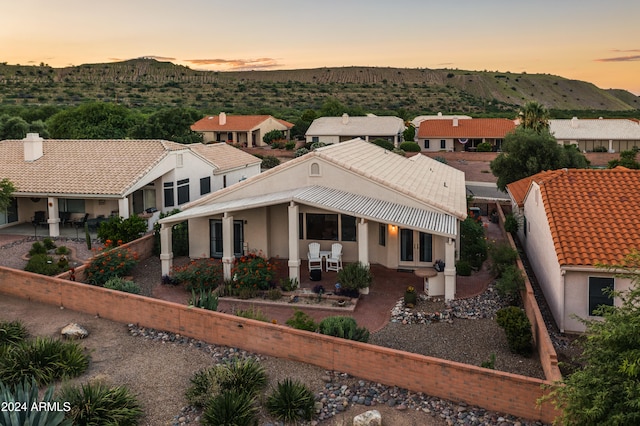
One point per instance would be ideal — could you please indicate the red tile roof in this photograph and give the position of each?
(234, 123)
(593, 215)
(473, 128)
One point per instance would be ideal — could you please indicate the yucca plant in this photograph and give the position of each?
(291, 401)
(25, 394)
(230, 408)
(343, 327)
(245, 375)
(204, 384)
(12, 332)
(45, 359)
(96, 403)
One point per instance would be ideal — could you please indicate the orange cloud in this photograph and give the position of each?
(236, 64)
(621, 58)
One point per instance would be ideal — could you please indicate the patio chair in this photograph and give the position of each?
(80, 223)
(39, 218)
(315, 261)
(334, 261)
(65, 218)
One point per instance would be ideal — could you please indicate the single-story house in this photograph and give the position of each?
(419, 119)
(573, 220)
(382, 207)
(370, 127)
(462, 134)
(614, 135)
(60, 181)
(244, 130)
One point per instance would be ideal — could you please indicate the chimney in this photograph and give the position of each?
(574, 123)
(222, 119)
(32, 147)
(345, 118)
(455, 121)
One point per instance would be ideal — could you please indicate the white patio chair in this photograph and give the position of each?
(315, 261)
(334, 261)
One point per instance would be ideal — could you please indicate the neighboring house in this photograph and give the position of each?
(419, 119)
(339, 129)
(382, 207)
(244, 130)
(462, 134)
(571, 221)
(612, 135)
(65, 179)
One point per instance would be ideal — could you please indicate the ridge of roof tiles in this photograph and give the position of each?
(234, 122)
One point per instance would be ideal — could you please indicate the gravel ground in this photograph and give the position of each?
(449, 334)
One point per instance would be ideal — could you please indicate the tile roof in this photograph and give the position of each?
(223, 156)
(356, 126)
(95, 167)
(593, 215)
(234, 123)
(474, 128)
(596, 129)
(518, 189)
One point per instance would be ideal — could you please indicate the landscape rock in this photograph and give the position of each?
(368, 418)
(74, 331)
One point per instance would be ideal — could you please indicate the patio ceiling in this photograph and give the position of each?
(335, 200)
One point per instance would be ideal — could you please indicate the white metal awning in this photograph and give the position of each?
(361, 206)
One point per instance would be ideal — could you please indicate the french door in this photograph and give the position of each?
(416, 248)
(215, 232)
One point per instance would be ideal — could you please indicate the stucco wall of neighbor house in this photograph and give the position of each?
(542, 254)
(278, 234)
(490, 389)
(326, 139)
(199, 238)
(434, 144)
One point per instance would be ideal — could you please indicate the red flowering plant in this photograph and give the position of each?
(110, 261)
(251, 273)
(197, 275)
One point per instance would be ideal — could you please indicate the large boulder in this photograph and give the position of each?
(74, 331)
(369, 418)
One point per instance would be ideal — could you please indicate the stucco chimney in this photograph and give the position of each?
(345, 118)
(439, 114)
(574, 123)
(32, 147)
(455, 121)
(222, 119)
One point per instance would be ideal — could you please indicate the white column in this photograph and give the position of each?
(450, 270)
(294, 243)
(227, 246)
(123, 207)
(611, 145)
(54, 219)
(166, 253)
(363, 242)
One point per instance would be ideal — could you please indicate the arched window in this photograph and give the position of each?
(315, 169)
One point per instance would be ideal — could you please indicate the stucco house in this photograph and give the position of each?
(439, 116)
(462, 134)
(370, 127)
(572, 220)
(64, 180)
(614, 135)
(382, 207)
(244, 130)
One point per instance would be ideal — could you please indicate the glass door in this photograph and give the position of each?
(416, 248)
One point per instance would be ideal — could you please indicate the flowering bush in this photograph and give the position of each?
(252, 273)
(111, 261)
(203, 274)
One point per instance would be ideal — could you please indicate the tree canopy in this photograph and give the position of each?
(526, 152)
(534, 116)
(96, 120)
(627, 159)
(6, 190)
(172, 124)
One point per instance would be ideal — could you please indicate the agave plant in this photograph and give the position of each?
(20, 400)
(291, 401)
(230, 408)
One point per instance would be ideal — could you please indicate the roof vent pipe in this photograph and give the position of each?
(222, 119)
(455, 121)
(345, 118)
(574, 123)
(33, 147)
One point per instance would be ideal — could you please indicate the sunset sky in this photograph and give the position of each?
(594, 41)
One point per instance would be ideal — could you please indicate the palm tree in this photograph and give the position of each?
(534, 116)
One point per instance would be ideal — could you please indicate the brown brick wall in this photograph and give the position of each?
(493, 390)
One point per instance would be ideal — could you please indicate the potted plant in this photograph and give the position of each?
(410, 297)
(355, 277)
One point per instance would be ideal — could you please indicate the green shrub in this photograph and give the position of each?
(120, 284)
(502, 255)
(199, 275)
(253, 272)
(12, 332)
(205, 299)
(96, 403)
(383, 143)
(45, 359)
(301, 151)
(273, 135)
(25, 393)
(517, 327)
(510, 283)
(441, 159)
(48, 244)
(279, 144)
(343, 327)
(355, 276)
(252, 313)
(491, 363)
(121, 230)
(269, 162)
(274, 294)
(204, 384)
(600, 149)
(244, 375)
(463, 268)
(473, 246)
(230, 408)
(410, 147)
(63, 250)
(289, 284)
(302, 321)
(37, 248)
(484, 147)
(291, 401)
(511, 224)
(179, 236)
(110, 262)
(43, 265)
(289, 145)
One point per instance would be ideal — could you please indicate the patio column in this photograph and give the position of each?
(123, 207)
(249, 139)
(450, 270)
(227, 245)
(166, 254)
(363, 242)
(54, 219)
(294, 244)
